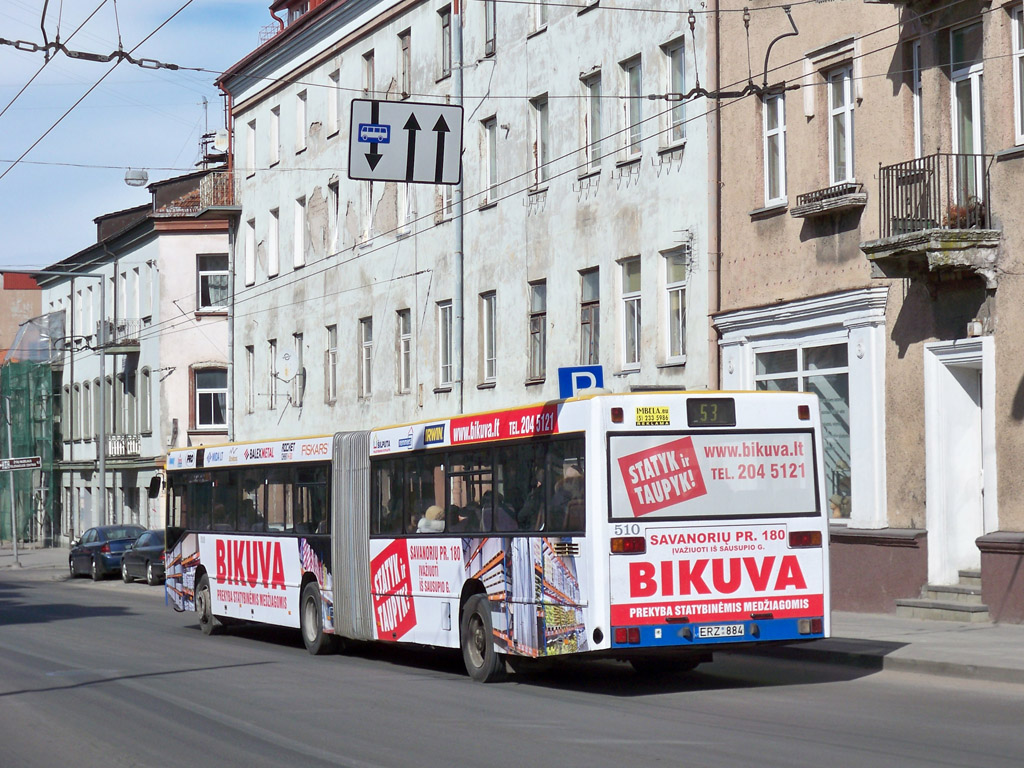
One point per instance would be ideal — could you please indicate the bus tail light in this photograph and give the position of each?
(804, 539)
(803, 412)
(629, 545)
(811, 626)
(616, 415)
(627, 635)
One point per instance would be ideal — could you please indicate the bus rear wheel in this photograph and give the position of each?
(311, 619)
(204, 606)
(484, 664)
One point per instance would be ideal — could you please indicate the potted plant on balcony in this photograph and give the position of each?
(965, 216)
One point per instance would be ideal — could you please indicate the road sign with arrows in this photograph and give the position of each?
(405, 141)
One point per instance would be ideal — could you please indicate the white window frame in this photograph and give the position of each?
(675, 321)
(632, 318)
(86, 410)
(858, 317)
(274, 242)
(250, 252)
(333, 216)
(146, 401)
(1018, 73)
(405, 63)
(204, 274)
(591, 120)
(331, 366)
(843, 78)
(490, 165)
(299, 377)
(590, 318)
(211, 392)
(445, 30)
(250, 149)
(365, 357)
(369, 74)
(272, 374)
(299, 233)
(916, 91)
(489, 337)
(250, 379)
(633, 133)
(538, 331)
(675, 59)
(778, 133)
(445, 345)
(490, 27)
(301, 125)
(541, 144)
(403, 344)
(334, 105)
(275, 136)
(973, 74)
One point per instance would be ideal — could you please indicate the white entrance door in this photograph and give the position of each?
(959, 448)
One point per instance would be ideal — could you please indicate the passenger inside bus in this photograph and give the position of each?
(432, 520)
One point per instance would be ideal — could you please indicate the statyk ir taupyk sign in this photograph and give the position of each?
(405, 141)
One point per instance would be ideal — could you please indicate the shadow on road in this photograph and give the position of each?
(14, 610)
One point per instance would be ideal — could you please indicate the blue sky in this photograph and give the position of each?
(137, 118)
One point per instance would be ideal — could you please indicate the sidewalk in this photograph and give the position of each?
(868, 641)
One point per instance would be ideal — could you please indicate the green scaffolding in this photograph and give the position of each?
(27, 382)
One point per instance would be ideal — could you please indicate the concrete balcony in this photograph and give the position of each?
(935, 216)
(121, 337)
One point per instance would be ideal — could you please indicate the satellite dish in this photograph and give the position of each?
(220, 141)
(136, 177)
(285, 365)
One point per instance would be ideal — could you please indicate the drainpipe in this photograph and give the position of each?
(457, 300)
(715, 199)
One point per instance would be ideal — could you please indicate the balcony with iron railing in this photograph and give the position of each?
(124, 446)
(935, 214)
(120, 336)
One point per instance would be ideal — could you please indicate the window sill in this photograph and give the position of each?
(208, 430)
(769, 210)
(274, 163)
(626, 372)
(537, 31)
(676, 146)
(629, 161)
(211, 313)
(589, 174)
(443, 389)
(674, 363)
(444, 76)
(364, 244)
(589, 8)
(403, 233)
(334, 133)
(534, 382)
(1013, 153)
(487, 205)
(538, 190)
(487, 385)
(300, 150)
(332, 401)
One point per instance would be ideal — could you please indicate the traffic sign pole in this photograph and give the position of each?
(10, 482)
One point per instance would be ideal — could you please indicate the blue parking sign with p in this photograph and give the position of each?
(574, 378)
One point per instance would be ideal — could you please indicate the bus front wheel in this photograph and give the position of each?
(484, 664)
(311, 618)
(204, 606)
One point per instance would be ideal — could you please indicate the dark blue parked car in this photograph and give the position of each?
(144, 559)
(99, 550)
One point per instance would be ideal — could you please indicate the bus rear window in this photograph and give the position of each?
(711, 475)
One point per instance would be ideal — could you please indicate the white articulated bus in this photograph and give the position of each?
(651, 527)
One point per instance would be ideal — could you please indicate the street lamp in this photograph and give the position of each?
(101, 449)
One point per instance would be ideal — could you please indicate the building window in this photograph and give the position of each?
(674, 53)
(367, 213)
(967, 70)
(274, 243)
(634, 106)
(592, 120)
(541, 141)
(488, 336)
(631, 313)
(491, 166)
(250, 379)
(250, 252)
(129, 403)
(76, 408)
(369, 77)
(146, 401)
(299, 238)
(590, 317)
(490, 27)
(915, 73)
(774, 149)
(250, 148)
(445, 345)
(677, 264)
(211, 398)
(365, 356)
(334, 108)
(445, 17)
(272, 374)
(331, 365)
(404, 349)
(840, 125)
(540, 16)
(405, 63)
(824, 371)
(300, 122)
(213, 278)
(275, 135)
(1018, 74)
(538, 329)
(97, 394)
(333, 214)
(299, 377)
(86, 411)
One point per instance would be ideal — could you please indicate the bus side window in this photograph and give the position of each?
(387, 510)
(272, 501)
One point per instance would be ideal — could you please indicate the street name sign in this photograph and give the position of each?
(20, 462)
(405, 141)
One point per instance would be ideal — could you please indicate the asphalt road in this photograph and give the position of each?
(105, 675)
